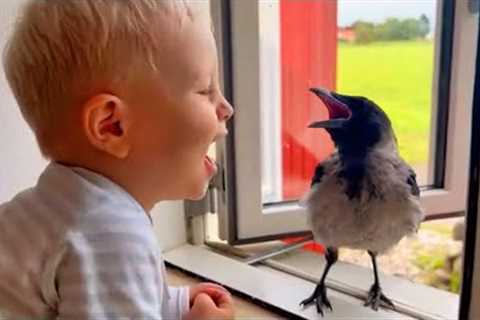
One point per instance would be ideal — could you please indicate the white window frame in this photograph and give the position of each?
(271, 137)
(253, 220)
(282, 290)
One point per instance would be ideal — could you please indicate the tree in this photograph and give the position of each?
(410, 29)
(424, 27)
(392, 29)
(364, 32)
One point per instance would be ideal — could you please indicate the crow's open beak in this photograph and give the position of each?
(338, 111)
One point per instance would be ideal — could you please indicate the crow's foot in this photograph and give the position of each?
(319, 296)
(377, 298)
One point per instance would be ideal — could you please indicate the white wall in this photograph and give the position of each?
(169, 224)
(21, 162)
(20, 159)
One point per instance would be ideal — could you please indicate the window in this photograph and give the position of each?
(423, 78)
(285, 47)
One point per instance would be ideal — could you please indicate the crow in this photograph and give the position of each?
(364, 196)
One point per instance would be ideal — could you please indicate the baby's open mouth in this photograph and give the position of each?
(211, 166)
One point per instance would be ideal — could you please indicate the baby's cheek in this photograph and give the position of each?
(205, 126)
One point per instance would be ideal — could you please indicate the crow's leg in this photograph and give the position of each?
(376, 296)
(319, 296)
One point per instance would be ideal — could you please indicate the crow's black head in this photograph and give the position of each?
(356, 124)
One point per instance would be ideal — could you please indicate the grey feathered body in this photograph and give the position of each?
(385, 210)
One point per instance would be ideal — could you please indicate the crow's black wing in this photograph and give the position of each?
(412, 181)
(319, 172)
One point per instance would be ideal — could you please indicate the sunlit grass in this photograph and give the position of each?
(398, 77)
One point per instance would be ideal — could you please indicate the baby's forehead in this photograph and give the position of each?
(190, 48)
(188, 11)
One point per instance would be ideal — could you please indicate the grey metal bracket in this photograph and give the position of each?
(278, 251)
(261, 257)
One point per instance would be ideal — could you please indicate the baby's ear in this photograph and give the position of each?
(106, 121)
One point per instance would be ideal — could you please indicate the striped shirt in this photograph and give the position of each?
(77, 246)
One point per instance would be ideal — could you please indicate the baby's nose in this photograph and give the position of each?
(224, 110)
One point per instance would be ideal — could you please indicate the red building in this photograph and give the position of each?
(346, 34)
(308, 59)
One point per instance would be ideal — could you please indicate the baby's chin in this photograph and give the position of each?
(198, 192)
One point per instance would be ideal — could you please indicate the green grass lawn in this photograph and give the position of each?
(398, 77)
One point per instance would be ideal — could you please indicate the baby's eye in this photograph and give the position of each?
(205, 92)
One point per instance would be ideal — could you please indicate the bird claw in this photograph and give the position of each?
(377, 298)
(319, 296)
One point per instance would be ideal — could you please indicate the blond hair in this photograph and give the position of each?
(62, 47)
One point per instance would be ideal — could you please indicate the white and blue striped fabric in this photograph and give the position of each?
(77, 246)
